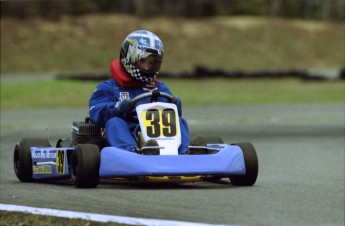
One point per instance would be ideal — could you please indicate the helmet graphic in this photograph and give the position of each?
(141, 55)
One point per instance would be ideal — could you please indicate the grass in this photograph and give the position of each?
(202, 92)
(46, 94)
(89, 43)
(18, 218)
(227, 92)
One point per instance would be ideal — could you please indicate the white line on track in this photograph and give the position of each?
(98, 217)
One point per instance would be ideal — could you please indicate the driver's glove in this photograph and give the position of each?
(124, 106)
(177, 101)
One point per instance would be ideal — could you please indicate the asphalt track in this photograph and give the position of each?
(301, 177)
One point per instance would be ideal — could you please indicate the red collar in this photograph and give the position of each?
(124, 80)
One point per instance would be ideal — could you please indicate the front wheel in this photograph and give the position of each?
(84, 165)
(252, 166)
(22, 160)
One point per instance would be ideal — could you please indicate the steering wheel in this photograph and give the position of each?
(154, 96)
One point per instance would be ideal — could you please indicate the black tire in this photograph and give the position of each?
(214, 140)
(84, 165)
(22, 161)
(252, 166)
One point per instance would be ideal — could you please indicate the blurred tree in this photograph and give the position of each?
(310, 9)
(252, 7)
(274, 7)
(83, 6)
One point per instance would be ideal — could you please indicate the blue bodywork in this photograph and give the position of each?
(228, 160)
(52, 163)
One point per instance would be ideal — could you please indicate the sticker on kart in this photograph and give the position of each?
(49, 162)
(160, 121)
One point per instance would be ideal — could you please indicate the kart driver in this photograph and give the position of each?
(134, 73)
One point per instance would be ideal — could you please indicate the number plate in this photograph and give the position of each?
(60, 161)
(160, 121)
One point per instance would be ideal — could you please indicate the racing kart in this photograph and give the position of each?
(86, 157)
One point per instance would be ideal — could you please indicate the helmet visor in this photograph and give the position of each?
(150, 61)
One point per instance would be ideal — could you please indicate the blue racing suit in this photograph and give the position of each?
(120, 128)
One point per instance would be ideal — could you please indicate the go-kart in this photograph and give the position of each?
(87, 158)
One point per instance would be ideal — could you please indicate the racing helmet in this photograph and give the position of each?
(141, 55)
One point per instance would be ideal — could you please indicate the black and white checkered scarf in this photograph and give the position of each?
(136, 74)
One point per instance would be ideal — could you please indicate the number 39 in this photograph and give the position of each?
(161, 123)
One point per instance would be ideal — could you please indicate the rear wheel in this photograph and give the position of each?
(252, 166)
(22, 160)
(84, 166)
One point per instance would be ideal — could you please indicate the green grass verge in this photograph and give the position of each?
(202, 92)
(260, 91)
(18, 218)
(46, 94)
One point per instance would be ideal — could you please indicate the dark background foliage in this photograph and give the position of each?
(306, 9)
